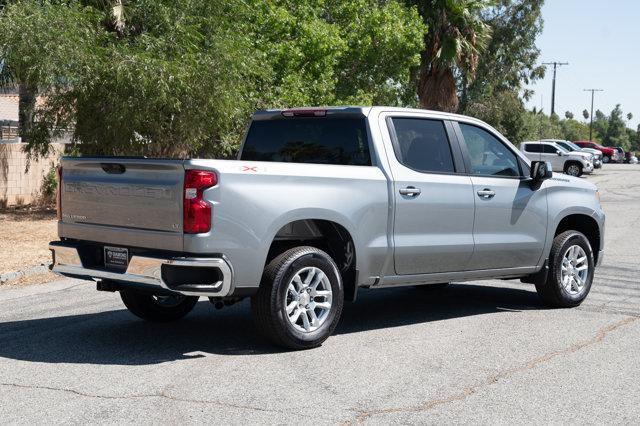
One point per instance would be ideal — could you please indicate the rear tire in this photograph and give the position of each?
(573, 169)
(606, 159)
(299, 302)
(157, 308)
(571, 269)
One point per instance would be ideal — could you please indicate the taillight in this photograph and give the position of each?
(197, 212)
(59, 193)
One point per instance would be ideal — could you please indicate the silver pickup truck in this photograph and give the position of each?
(319, 203)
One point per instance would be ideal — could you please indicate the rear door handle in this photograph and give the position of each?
(410, 191)
(486, 193)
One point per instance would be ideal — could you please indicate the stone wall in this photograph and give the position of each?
(18, 185)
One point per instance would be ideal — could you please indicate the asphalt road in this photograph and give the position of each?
(482, 352)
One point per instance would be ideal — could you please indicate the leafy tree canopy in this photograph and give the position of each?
(616, 130)
(510, 60)
(180, 77)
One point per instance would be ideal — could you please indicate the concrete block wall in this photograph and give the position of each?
(19, 186)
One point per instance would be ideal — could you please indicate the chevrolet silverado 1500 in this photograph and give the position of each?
(319, 203)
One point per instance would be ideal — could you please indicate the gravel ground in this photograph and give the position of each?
(25, 237)
(483, 352)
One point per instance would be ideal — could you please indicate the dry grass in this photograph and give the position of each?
(24, 238)
(43, 278)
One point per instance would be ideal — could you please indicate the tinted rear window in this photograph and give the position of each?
(423, 145)
(322, 140)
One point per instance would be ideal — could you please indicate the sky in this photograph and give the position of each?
(601, 42)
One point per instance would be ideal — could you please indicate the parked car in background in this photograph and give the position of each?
(570, 146)
(570, 162)
(621, 154)
(608, 154)
(630, 158)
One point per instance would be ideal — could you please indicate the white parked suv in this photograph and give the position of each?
(571, 163)
(571, 147)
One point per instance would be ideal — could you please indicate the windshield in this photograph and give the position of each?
(571, 145)
(561, 148)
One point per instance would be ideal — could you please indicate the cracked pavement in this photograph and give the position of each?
(482, 352)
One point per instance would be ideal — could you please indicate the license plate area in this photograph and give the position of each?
(116, 258)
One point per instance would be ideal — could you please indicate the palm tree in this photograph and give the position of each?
(456, 36)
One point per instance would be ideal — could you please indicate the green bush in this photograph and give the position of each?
(49, 186)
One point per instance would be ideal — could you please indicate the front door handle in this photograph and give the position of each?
(410, 191)
(486, 193)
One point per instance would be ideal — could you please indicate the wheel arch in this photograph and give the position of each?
(585, 224)
(326, 232)
(572, 162)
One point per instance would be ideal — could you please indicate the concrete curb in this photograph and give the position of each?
(14, 275)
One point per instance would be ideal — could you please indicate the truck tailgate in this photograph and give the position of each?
(101, 197)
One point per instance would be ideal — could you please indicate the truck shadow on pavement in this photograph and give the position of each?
(118, 338)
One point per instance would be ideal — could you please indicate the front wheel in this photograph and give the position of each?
(571, 269)
(573, 169)
(157, 308)
(606, 159)
(300, 298)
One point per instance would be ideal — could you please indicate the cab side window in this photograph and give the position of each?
(422, 145)
(489, 156)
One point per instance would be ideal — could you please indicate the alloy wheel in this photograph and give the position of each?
(309, 299)
(573, 170)
(574, 270)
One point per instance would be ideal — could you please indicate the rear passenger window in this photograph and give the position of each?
(423, 145)
(533, 147)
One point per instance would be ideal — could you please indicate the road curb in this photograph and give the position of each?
(14, 275)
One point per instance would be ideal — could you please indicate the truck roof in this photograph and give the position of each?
(268, 114)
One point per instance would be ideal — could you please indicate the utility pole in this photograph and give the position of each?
(591, 116)
(553, 86)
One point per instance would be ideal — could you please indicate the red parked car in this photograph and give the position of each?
(608, 154)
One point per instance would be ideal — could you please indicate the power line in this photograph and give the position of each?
(591, 116)
(555, 64)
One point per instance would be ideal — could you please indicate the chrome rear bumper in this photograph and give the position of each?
(145, 271)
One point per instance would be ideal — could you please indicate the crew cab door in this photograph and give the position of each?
(510, 220)
(433, 221)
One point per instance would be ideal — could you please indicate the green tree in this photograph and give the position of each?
(505, 111)
(574, 130)
(181, 77)
(507, 64)
(585, 114)
(162, 83)
(338, 52)
(600, 126)
(616, 134)
(510, 60)
(457, 36)
(540, 126)
(26, 95)
(568, 115)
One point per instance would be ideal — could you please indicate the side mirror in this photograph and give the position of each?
(541, 170)
(559, 153)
